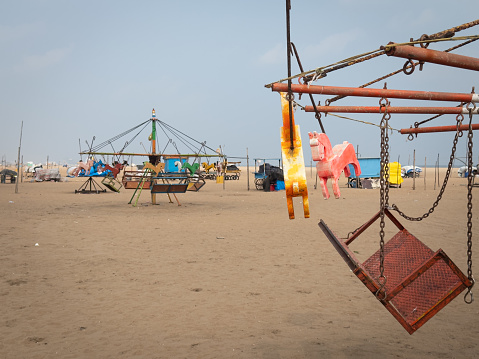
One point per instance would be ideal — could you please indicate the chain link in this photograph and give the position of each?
(384, 191)
(470, 177)
(459, 120)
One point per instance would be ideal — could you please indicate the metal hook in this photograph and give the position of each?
(469, 293)
(424, 45)
(406, 65)
(382, 280)
(470, 106)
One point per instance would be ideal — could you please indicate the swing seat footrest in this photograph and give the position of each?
(196, 186)
(111, 183)
(169, 188)
(134, 184)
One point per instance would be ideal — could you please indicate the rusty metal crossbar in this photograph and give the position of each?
(420, 282)
(412, 130)
(379, 109)
(433, 56)
(378, 93)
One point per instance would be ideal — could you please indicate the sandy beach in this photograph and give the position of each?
(224, 275)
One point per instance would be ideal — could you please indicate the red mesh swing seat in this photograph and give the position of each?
(420, 282)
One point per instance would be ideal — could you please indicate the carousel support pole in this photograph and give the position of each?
(153, 132)
(153, 149)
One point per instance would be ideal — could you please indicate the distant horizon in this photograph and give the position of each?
(456, 164)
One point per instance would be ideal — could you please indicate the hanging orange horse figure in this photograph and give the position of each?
(293, 161)
(332, 161)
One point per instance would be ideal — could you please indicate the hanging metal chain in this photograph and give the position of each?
(289, 96)
(468, 297)
(384, 192)
(459, 119)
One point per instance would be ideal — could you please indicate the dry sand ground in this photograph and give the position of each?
(224, 275)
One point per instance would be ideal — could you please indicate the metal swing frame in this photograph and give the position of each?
(90, 186)
(420, 282)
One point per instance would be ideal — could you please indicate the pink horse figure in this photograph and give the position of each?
(82, 165)
(332, 161)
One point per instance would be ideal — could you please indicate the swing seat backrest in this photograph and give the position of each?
(420, 282)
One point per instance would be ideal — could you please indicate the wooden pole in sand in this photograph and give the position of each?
(357, 156)
(247, 166)
(414, 170)
(225, 164)
(438, 169)
(397, 173)
(18, 160)
(425, 159)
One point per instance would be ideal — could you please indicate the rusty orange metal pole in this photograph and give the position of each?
(406, 131)
(377, 109)
(368, 92)
(433, 56)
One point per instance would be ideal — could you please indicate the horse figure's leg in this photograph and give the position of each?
(195, 168)
(324, 188)
(337, 192)
(306, 205)
(289, 203)
(347, 171)
(357, 168)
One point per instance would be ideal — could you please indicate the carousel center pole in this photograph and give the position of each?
(153, 132)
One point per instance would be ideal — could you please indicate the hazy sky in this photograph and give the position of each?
(72, 70)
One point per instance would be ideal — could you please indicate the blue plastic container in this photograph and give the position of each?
(279, 186)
